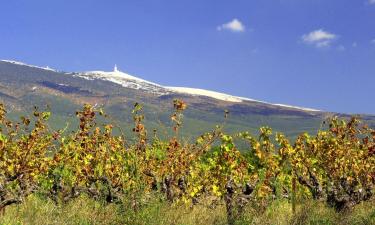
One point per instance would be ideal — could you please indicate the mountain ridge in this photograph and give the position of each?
(187, 90)
(123, 78)
(23, 86)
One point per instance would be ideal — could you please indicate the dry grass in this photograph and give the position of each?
(87, 211)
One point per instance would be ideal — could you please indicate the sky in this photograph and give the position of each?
(311, 53)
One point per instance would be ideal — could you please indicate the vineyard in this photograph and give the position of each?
(237, 173)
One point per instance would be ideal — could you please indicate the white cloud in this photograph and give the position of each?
(235, 25)
(371, 2)
(319, 38)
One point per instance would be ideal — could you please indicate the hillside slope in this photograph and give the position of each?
(22, 86)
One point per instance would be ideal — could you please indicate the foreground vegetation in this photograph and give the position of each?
(84, 210)
(92, 176)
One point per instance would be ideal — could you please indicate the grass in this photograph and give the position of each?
(83, 210)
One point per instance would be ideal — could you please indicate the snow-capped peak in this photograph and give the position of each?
(129, 81)
(24, 64)
(226, 97)
(118, 74)
(123, 79)
(202, 92)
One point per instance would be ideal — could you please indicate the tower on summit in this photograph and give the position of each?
(115, 69)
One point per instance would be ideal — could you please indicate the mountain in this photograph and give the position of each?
(23, 86)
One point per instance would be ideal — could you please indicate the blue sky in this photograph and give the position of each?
(313, 53)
